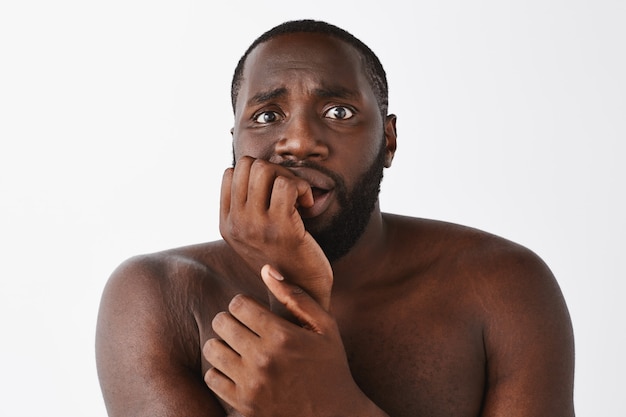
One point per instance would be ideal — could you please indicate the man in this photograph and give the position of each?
(316, 303)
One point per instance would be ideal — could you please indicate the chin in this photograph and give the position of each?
(316, 226)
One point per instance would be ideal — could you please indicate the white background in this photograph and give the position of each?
(114, 120)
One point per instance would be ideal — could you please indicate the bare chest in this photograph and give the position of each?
(416, 357)
(411, 352)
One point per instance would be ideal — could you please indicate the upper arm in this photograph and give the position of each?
(528, 342)
(144, 364)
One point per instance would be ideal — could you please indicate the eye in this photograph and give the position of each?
(266, 117)
(339, 112)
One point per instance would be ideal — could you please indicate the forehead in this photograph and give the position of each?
(301, 58)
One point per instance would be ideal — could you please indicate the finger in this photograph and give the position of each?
(222, 357)
(284, 196)
(308, 312)
(256, 317)
(260, 184)
(225, 193)
(221, 385)
(305, 194)
(239, 186)
(233, 332)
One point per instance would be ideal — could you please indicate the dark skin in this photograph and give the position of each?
(420, 318)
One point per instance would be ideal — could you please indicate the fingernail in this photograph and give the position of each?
(274, 274)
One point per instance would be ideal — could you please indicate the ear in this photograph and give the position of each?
(391, 135)
(232, 144)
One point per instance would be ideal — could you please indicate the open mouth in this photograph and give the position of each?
(318, 193)
(322, 188)
(322, 200)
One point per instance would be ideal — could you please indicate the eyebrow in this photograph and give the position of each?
(325, 92)
(265, 96)
(335, 92)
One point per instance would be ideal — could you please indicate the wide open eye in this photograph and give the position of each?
(266, 117)
(339, 113)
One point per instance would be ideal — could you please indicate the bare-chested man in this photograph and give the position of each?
(316, 303)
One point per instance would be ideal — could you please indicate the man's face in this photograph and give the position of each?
(305, 103)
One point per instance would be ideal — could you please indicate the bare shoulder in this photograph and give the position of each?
(511, 292)
(191, 272)
(501, 279)
(498, 274)
(168, 285)
(148, 339)
(474, 255)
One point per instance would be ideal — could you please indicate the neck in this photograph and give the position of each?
(364, 259)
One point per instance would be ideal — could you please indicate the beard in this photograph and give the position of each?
(337, 236)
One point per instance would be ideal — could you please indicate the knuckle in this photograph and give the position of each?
(245, 160)
(301, 183)
(294, 295)
(263, 362)
(243, 227)
(226, 227)
(286, 186)
(259, 165)
(282, 183)
(234, 231)
(282, 341)
(255, 387)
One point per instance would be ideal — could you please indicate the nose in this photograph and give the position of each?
(302, 139)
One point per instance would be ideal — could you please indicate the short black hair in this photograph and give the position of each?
(374, 69)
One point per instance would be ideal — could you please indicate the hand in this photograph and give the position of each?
(267, 366)
(260, 221)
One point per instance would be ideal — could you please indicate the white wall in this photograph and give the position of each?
(114, 120)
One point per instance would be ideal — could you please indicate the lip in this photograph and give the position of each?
(320, 205)
(323, 187)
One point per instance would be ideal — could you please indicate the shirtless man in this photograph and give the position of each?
(316, 303)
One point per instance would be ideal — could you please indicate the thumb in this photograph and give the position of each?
(301, 305)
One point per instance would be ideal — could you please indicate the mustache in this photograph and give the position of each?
(341, 190)
(339, 181)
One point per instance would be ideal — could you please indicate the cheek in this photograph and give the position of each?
(256, 148)
(358, 156)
